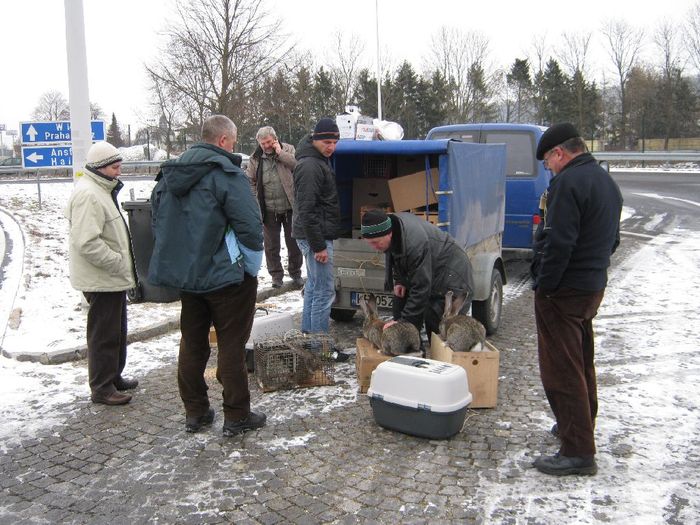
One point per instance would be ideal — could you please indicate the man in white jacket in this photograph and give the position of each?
(102, 267)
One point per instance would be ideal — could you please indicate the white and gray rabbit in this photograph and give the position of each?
(462, 333)
(400, 338)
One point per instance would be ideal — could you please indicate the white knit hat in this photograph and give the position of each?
(102, 154)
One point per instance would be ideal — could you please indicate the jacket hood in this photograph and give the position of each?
(306, 148)
(183, 173)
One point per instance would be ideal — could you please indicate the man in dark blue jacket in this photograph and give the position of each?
(208, 244)
(581, 231)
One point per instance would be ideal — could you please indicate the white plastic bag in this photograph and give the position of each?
(387, 130)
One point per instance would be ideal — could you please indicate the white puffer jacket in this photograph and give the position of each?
(100, 244)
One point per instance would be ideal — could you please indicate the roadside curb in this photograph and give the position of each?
(76, 353)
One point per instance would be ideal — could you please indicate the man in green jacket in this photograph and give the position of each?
(208, 244)
(102, 267)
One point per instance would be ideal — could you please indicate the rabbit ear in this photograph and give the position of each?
(363, 305)
(458, 303)
(448, 304)
(372, 303)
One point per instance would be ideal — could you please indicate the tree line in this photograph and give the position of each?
(231, 57)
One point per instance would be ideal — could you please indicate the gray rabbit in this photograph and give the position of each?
(462, 333)
(400, 338)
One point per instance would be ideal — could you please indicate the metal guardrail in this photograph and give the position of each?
(648, 156)
(610, 156)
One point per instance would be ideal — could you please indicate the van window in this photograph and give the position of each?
(464, 136)
(520, 161)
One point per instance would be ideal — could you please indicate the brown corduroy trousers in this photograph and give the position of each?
(565, 347)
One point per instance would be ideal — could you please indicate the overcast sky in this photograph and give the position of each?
(123, 35)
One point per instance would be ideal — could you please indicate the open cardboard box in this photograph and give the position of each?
(481, 367)
(367, 358)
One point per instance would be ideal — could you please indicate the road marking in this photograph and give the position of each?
(664, 197)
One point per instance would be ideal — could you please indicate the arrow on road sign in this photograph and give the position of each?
(32, 133)
(35, 157)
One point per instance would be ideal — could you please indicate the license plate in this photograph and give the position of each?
(383, 300)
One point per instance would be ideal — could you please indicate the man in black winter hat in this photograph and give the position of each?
(315, 223)
(580, 231)
(425, 264)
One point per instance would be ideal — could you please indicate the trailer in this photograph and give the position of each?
(459, 187)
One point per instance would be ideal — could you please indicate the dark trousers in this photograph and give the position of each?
(272, 225)
(106, 340)
(565, 346)
(231, 310)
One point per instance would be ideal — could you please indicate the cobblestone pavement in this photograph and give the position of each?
(320, 459)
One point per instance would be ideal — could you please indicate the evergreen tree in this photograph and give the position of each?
(433, 102)
(366, 93)
(405, 103)
(322, 95)
(556, 94)
(114, 135)
(518, 79)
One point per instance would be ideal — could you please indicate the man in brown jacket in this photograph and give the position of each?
(270, 172)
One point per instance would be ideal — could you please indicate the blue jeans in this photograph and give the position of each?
(319, 290)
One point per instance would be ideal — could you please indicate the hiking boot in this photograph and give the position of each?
(253, 421)
(195, 423)
(298, 282)
(113, 399)
(558, 465)
(277, 283)
(125, 384)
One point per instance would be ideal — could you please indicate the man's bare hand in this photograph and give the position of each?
(321, 256)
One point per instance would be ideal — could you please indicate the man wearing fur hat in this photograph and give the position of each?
(270, 172)
(102, 267)
(580, 232)
(315, 223)
(423, 264)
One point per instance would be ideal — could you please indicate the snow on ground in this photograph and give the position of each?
(647, 361)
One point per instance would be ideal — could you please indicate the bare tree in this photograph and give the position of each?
(574, 57)
(344, 65)
(666, 41)
(692, 34)
(624, 46)
(461, 59)
(52, 106)
(215, 54)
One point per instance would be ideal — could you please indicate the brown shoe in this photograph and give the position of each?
(115, 398)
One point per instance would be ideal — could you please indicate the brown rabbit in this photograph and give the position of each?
(462, 333)
(400, 338)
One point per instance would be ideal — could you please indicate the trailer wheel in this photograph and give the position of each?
(488, 312)
(342, 315)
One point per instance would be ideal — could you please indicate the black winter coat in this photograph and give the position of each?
(581, 228)
(428, 262)
(316, 211)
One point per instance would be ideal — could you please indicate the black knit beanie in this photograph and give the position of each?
(375, 223)
(325, 129)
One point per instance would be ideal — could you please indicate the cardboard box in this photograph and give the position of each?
(365, 131)
(481, 367)
(367, 358)
(409, 191)
(368, 192)
(346, 125)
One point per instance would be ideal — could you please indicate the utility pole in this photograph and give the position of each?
(78, 93)
(379, 65)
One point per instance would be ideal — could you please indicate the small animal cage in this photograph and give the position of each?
(294, 361)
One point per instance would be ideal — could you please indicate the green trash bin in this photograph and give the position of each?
(139, 212)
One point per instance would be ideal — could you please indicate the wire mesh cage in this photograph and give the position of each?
(378, 166)
(294, 361)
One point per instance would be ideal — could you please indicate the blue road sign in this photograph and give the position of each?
(43, 132)
(47, 156)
